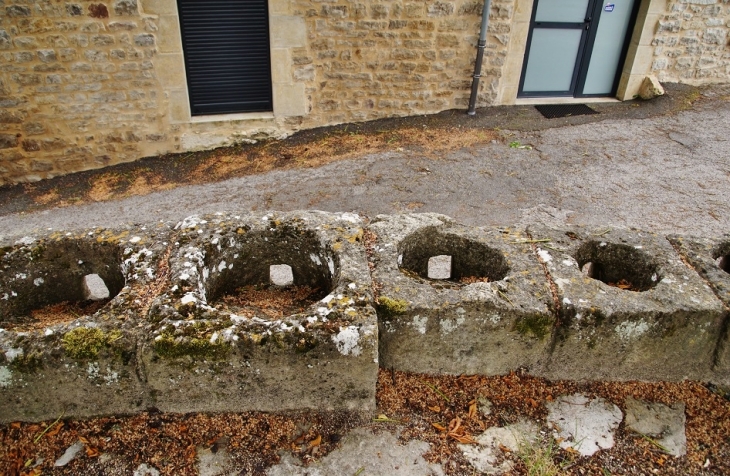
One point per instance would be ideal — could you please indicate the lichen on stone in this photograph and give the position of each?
(85, 343)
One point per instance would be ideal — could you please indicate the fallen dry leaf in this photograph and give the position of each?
(316, 442)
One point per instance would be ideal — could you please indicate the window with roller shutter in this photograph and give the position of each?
(227, 56)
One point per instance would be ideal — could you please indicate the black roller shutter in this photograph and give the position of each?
(227, 59)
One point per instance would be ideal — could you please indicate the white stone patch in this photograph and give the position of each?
(544, 255)
(26, 240)
(315, 259)
(331, 265)
(188, 298)
(281, 275)
(190, 222)
(185, 276)
(144, 470)
(135, 239)
(488, 456)
(69, 454)
(6, 378)
(350, 217)
(221, 266)
(38, 281)
(663, 423)
(327, 298)
(570, 262)
(439, 267)
(585, 425)
(631, 330)
(12, 353)
(348, 341)
(419, 323)
(95, 288)
(352, 286)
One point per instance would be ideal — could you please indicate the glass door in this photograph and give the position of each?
(576, 47)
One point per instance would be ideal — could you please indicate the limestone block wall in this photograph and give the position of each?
(78, 87)
(86, 84)
(691, 43)
(371, 59)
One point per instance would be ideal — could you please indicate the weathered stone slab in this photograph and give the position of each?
(663, 423)
(85, 365)
(666, 329)
(490, 317)
(583, 424)
(711, 259)
(202, 356)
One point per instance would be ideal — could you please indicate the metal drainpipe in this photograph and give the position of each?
(480, 57)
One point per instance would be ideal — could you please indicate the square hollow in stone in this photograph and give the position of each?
(640, 314)
(439, 267)
(490, 317)
(60, 354)
(710, 257)
(205, 354)
(281, 275)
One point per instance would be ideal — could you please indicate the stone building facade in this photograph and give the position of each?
(86, 84)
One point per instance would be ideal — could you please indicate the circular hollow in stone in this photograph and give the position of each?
(469, 258)
(57, 272)
(619, 265)
(255, 262)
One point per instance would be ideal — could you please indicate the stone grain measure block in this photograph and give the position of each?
(665, 329)
(205, 355)
(711, 258)
(491, 317)
(86, 365)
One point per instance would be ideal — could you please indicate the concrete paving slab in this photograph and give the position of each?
(583, 424)
(488, 457)
(665, 424)
(489, 318)
(202, 356)
(664, 326)
(365, 453)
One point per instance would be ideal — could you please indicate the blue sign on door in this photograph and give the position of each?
(609, 7)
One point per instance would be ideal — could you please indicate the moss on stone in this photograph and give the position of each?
(537, 325)
(389, 307)
(85, 343)
(169, 347)
(27, 363)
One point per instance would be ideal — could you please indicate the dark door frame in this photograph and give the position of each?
(588, 38)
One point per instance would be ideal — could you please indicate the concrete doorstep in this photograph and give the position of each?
(278, 311)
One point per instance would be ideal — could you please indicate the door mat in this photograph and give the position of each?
(554, 111)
